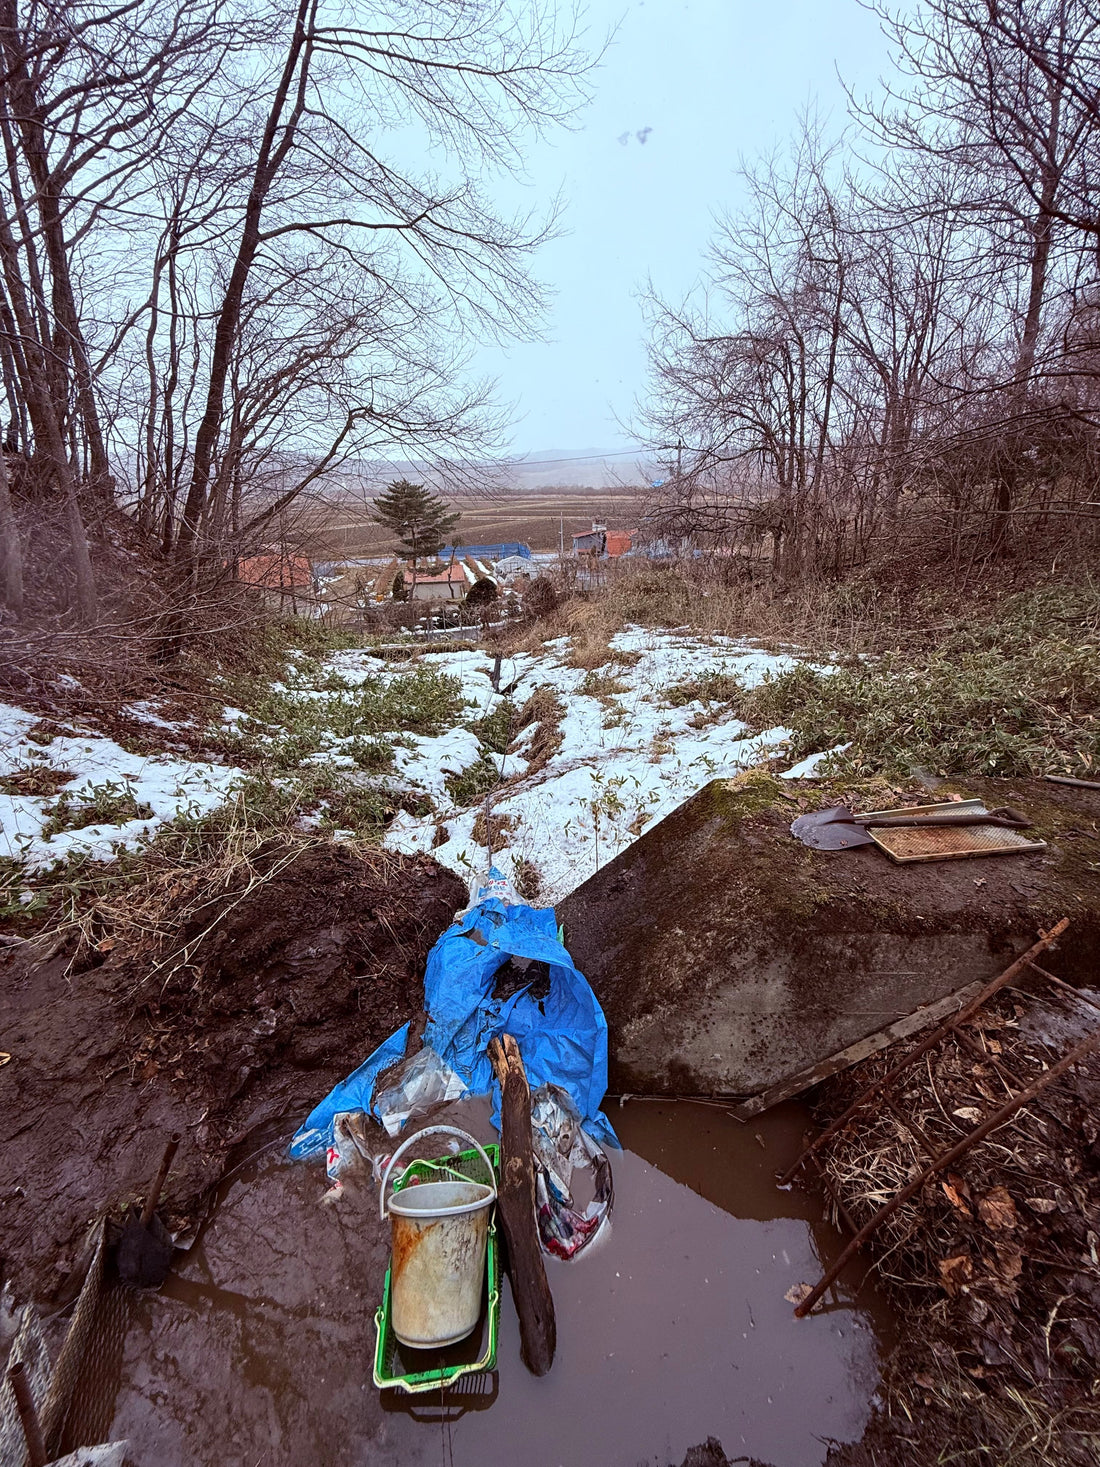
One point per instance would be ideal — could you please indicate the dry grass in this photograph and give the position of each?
(993, 1266)
(545, 710)
(495, 833)
(140, 899)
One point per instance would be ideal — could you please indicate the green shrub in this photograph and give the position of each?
(472, 784)
(110, 803)
(981, 713)
(709, 687)
(498, 728)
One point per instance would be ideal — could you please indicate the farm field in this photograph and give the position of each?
(538, 517)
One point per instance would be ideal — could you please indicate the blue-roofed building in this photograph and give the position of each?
(487, 552)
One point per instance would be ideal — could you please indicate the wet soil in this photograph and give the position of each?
(672, 1329)
(297, 979)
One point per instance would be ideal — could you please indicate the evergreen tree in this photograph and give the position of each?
(420, 519)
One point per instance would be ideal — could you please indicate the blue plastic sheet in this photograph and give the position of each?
(562, 1037)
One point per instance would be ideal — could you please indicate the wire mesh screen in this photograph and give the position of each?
(76, 1394)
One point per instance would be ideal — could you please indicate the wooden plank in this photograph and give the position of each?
(903, 1028)
(1046, 939)
(516, 1202)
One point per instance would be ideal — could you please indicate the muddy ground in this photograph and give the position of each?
(212, 1037)
(263, 990)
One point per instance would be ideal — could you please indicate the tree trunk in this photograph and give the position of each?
(47, 428)
(269, 160)
(68, 334)
(11, 554)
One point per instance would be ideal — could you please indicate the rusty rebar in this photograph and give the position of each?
(998, 1118)
(923, 1047)
(28, 1415)
(1066, 987)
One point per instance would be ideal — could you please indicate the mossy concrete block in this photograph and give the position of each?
(727, 955)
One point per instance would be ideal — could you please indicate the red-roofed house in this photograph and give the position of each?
(450, 585)
(280, 575)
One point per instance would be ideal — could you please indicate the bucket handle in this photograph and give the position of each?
(433, 1131)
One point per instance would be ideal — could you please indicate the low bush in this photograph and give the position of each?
(110, 803)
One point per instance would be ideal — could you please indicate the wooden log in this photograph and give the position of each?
(516, 1204)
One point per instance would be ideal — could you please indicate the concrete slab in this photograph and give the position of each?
(727, 955)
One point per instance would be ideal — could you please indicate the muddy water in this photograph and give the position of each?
(672, 1329)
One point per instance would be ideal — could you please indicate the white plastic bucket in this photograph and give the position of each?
(438, 1232)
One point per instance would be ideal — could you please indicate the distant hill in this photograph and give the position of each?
(546, 469)
(588, 468)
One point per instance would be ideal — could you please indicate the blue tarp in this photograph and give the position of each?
(500, 551)
(562, 1037)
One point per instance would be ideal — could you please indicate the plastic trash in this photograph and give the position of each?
(424, 1081)
(561, 1146)
(562, 1036)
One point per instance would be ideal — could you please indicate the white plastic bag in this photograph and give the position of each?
(422, 1082)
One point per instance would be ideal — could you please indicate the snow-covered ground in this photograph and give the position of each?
(625, 760)
(97, 768)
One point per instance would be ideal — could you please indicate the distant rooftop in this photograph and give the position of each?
(488, 552)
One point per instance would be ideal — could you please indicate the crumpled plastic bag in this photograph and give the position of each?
(562, 1146)
(424, 1081)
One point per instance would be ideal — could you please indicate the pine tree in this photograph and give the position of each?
(420, 519)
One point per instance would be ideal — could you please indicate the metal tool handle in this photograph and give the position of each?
(1009, 819)
(433, 1131)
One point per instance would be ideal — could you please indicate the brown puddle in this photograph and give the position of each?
(673, 1328)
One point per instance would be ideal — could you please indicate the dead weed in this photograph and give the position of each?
(545, 710)
(994, 1265)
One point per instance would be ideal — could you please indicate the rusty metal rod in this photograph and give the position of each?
(918, 1135)
(159, 1181)
(1068, 987)
(28, 1415)
(923, 1047)
(998, 1118)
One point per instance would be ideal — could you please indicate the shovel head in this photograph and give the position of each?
(144, 1253)
(830, 830)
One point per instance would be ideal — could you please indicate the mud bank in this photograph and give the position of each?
(727, 955)
(250, 1009)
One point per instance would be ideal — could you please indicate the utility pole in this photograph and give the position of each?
(561, 539)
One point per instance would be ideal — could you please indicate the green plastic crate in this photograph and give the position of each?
(388, 1374)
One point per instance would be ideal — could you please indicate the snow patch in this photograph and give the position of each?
(626, 759)
(167, 786)
(807, 768)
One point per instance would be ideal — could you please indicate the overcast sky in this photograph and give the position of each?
(704, 83)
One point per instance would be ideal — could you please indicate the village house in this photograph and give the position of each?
(285, 579)
(600, 543)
